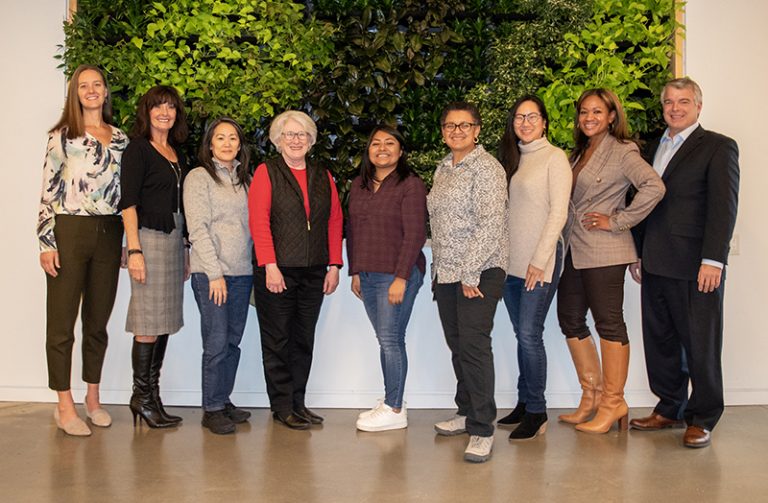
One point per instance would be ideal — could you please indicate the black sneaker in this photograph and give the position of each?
(236, 414)
(532, 425)
(218, 422)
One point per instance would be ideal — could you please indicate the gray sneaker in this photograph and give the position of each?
(479, 449)
(454, 426)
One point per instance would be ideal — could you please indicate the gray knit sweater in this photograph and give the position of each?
(217, 220)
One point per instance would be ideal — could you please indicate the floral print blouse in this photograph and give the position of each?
(467, 212)
(80, 177)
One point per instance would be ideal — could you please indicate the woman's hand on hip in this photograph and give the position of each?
(217, 291)
(532, 276)
(49, 261)
(355, 287)
(331, 280)
(397, 291)
(593, 221)
(136, 267)
(275, 280)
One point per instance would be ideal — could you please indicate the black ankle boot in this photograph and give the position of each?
(154, 378)
(531, 425)
(513, 417)
(142, 403)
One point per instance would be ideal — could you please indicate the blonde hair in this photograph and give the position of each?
(72, 116)
(278, 124)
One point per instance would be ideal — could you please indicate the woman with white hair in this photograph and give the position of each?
(296, 225)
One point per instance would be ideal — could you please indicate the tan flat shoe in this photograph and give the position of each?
(75, 427)
(99, 417)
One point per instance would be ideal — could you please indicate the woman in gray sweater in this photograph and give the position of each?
(216, 208)
(539, 192)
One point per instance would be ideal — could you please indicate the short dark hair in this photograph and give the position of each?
(152, 98)
(368, 170)
(509, 151)
(461, 106)
(205, 157)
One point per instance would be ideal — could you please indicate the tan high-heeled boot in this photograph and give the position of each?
(584, 355)
(612, 405)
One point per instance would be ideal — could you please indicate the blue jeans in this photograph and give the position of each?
(390, 321)
(528, 311)
(221, 328)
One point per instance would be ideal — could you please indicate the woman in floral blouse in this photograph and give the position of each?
(467, 210)
(80, 233)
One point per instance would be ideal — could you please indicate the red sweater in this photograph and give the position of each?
(260, 206)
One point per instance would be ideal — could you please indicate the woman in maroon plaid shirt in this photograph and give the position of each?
(387, 230)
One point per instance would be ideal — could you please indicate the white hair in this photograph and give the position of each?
(278, 124)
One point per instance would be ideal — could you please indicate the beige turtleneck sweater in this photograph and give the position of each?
(539, 193)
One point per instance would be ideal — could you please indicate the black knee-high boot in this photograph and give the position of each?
(154, 378)
(142, 403)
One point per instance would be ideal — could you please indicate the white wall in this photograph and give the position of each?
(725, 53)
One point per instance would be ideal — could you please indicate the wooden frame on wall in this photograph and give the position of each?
(678, 59)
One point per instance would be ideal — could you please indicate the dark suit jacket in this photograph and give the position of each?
(696, 217)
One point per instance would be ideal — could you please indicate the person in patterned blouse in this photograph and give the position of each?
(80, 235)
(467, 210)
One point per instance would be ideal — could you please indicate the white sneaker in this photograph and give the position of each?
(454, 426)
(379, 402)
(479, 449)
(383, 418)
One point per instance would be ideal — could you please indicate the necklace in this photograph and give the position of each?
(177, 171)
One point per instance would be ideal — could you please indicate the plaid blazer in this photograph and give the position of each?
(602, 187)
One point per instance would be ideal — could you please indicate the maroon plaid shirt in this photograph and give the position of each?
(387, 229)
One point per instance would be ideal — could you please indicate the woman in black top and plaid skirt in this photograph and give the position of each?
(158, 261)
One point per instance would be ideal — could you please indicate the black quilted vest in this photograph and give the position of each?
(299, 242)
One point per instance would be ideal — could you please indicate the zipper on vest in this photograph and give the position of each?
(309, 227)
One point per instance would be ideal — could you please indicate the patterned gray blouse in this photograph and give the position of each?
(80, 177)
(467, 211)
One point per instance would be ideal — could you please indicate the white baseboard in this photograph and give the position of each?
(361, 399)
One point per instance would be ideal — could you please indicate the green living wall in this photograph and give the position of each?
(352, 64)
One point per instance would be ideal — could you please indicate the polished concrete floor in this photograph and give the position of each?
(266, 462)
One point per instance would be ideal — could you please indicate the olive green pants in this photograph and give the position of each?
(89, 253)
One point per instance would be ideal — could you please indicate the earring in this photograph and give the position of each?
(477, 140)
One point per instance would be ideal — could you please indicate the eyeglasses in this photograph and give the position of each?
(291, 135)
(533, 118)
(463, 127)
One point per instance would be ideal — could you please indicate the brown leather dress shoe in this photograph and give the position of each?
(696, 436)
(655, 422)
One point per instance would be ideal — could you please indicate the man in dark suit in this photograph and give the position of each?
(683, 248)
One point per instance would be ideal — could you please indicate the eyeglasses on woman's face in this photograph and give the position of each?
(533, 118)
(292, 135)
(463, 126)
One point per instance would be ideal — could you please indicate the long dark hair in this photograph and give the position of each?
(509, 151)
(72, 116)
(618, 128)
(205, 156)
(368, 170)
(152, 98)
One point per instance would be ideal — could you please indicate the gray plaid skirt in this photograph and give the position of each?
(156, 307)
